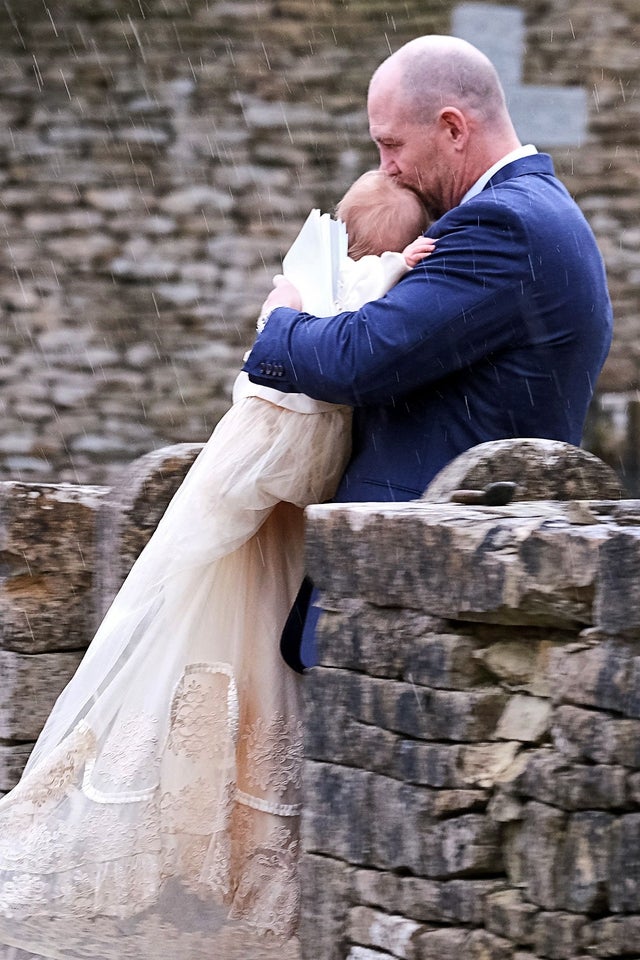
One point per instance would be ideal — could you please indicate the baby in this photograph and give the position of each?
(381, 215)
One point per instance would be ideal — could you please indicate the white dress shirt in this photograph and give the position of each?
(527, 151)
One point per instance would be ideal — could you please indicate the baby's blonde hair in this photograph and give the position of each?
(380, 215)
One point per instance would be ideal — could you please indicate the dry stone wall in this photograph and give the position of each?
(157, 158)
(64, 551)
(48, 554)
(472, 773)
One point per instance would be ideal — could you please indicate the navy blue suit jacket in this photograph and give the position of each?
(502, 332)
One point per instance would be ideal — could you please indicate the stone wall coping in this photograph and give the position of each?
(604, 515)
(561, 564)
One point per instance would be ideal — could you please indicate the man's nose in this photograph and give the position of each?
(388, 164)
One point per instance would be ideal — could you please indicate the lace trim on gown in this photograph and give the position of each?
(193, 826)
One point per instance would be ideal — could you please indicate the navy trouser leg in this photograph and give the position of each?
(298, 640)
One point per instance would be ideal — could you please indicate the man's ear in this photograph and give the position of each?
(454, 125)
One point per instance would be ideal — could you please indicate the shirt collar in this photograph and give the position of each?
(517, 154)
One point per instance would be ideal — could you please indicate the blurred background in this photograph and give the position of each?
(157, 157)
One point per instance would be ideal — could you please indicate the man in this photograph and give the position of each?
(502, 332)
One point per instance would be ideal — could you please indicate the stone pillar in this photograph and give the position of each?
(131, 510)
(47, 562)
(64, 551)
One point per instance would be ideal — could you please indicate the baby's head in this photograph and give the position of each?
(380, 215)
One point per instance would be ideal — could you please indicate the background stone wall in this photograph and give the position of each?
(158, 156)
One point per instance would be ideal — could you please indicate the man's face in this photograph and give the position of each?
(414, 154)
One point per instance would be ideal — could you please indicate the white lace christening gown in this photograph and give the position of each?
(158, 813)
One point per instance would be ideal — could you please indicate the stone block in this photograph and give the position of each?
(13, 758)
(326, 887)
(427, 764)
(542, 469)
(332, 732)
(624, 865)
(398, 644)
(504, 808)
(430, 714)
(631, 705)
(525, 719)
(486, 764)
(400, 815)
(452, 943)
(445, 661)
(352, 692)
(540, 835)
(447, 802)
(379, 641)
(407, 708)
(333, 701)
(427, 901)
(363, 953)
(552, 779)
(47, 563)
(354, 635)
(464, 846)
(446, 944)
(413, 897)
(514, 849)
(402, 832)
(526, 564)
(332, 820)
(432, 764)
(522, 661)
(633, 786)
(387, 932)
(334, 704)
(508, 914)
(583, 862)
(463, 901)
(616, 608)
(599, 674)
(30, 687)
(612, 937)
(583, 734)
(483, 945)
(558, 935)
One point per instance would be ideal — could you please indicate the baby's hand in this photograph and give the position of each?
(417, 250)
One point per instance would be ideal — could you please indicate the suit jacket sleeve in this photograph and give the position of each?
(463, 303)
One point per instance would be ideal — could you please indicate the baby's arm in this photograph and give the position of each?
(417, 250)
(371, 277)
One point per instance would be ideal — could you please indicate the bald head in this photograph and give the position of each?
(435, 71)
(438, 70)
(438, 115)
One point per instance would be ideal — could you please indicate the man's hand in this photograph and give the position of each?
(417, 250)
(284, 294)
